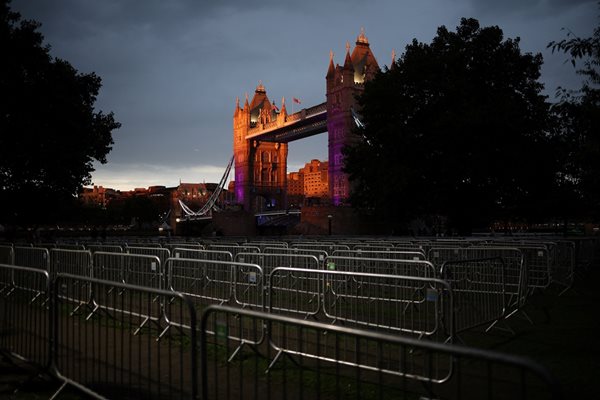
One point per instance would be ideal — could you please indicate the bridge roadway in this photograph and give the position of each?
(307, 122)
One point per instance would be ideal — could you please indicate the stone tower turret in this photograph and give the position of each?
(343, 85)
(260, 167)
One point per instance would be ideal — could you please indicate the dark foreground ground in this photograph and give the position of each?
(565, 338)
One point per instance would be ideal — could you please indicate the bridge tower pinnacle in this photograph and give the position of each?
(344, 83)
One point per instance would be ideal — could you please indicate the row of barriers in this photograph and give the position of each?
(390, 295)
(231, 352)
(562, 255)
(550, 261)
(489, 283)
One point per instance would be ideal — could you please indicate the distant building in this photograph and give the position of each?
(311, 181)
(295, 184)
(193, 195)
(316, 179)
(98, 196)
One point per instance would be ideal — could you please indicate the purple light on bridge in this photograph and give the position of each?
(239, 194)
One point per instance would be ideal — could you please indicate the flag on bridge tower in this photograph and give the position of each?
(296, 100)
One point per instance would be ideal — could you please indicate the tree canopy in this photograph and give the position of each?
(51, 132)
(456, 128)
(578, 114)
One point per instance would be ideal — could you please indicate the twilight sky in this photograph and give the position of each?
(171, 70)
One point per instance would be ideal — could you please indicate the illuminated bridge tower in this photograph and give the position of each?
(260, 167)
(343, 84)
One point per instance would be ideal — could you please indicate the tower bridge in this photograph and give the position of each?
(261, 132)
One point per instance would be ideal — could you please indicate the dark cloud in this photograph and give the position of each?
(172, 69)
(530, 8)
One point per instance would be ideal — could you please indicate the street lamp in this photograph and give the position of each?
(329, 218)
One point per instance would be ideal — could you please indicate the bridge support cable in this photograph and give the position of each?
(212, 200)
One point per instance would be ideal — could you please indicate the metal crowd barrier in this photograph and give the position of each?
(515, 268)
(217, 282)
(380, 246)
(536, 257)
(70, 246)
(320, 254)
(160, 252)
(563, 264)
(270, 261)
(307, 359)
(478, 290)
(184, 245)
(214, 255)
(33, 257)
(271, 243)
(382, 266)
(234, 249)
(384, 254)
(105, 248)
(7, 258)
(329, 248)
(24, 316)
(108, 356)
(130, 269)
(133, 269)
(393, 303)
(207, 282)
(75, 262)
(7, 255)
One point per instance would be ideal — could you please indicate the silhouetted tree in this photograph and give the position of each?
(51, 133)
(457, 128)
(579, 117)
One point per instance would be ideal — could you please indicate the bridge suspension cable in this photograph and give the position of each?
(212, 200)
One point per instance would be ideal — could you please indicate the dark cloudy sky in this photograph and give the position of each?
(171, 70)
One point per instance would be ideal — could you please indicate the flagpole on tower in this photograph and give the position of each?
(295, 100)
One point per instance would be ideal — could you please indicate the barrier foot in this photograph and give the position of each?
(76, 309)
(496, 325)
(164, 331)
(526, 316)
(568, 287)
(35, 298)
(272, 363)
(12, 289)
(139, 328)
(235, 352)
(98, 308)
(520, 311)
(451, 340)
(91, 314)
(54, 396)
